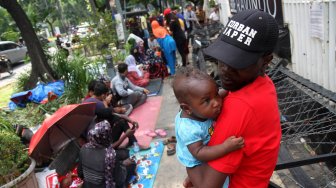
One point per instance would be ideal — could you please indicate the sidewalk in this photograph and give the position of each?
(171, 173)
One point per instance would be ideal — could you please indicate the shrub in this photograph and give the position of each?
(22, 81)
(30, 116)
(10, 35)
(13, 159)
(73, 71)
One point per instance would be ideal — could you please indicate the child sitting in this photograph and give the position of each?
(152, 42)
(199, 99)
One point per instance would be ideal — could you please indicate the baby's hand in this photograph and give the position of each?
(233, 143)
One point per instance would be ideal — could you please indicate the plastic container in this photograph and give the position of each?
(136, 150)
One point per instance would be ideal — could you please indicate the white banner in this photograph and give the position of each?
(316, 20)
(119, 27)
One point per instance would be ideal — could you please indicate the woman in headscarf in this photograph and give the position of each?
(167, 43)
(136, 75)
(138, 52)
(99, 165)
(178, 34)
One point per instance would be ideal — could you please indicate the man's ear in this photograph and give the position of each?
(266, 60)
(185, 107)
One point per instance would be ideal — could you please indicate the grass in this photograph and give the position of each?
(5, 94)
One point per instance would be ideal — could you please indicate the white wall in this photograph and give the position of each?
(312, 58)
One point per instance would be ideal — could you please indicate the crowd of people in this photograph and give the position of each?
(168, 32)
(153, 42)
(217, 145)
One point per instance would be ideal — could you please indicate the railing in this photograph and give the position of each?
(308, 120)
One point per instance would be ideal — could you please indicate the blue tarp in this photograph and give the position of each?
(36, 95)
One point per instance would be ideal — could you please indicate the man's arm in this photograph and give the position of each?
(134, 87)
(207, 153)
(204, 176)
(117, 143)
(120, 89)
(191, 17)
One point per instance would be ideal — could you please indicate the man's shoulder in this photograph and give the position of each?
(116, 79)
(91, 99)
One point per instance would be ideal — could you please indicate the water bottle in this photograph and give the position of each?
(136, 150)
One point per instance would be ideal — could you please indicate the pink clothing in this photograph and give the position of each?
(137, 80)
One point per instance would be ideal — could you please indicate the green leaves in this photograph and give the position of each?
(13, 158)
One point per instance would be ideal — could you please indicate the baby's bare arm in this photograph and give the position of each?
(207, 153)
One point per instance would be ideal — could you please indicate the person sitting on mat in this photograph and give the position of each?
(110, 100)
(136, 74)
(119, 122)
(123, 88)
(200, 102)
(99, 164)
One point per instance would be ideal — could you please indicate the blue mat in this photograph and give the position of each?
(154, 86)
(148, 162)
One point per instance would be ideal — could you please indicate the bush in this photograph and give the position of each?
(4, 123)
(74, 74)
(13, 159)
(30, 116)
(10, 35)
(22, 81)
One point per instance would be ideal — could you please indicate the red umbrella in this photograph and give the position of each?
(66, 124)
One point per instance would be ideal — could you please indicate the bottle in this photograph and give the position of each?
(136, 150)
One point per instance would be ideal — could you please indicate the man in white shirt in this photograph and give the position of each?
(214, 16)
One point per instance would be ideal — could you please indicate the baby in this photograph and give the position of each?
(200, 102)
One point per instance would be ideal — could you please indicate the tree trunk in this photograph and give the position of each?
(63, 20)
(39, 62)
(51, 27)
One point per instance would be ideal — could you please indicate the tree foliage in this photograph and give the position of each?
(7, 24)
(40, 65)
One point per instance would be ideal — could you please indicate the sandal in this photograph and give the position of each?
(150, 133)
(171, 149)
(161, 132)
(169, 140)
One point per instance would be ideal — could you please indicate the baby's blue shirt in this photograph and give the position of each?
(187, 132)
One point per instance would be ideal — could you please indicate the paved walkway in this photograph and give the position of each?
(171, 173)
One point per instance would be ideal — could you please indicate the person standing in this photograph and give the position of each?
(200, 13)
(214, 16)
(190, 19)
(250, 110)
(173, 25)
(167, 43)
